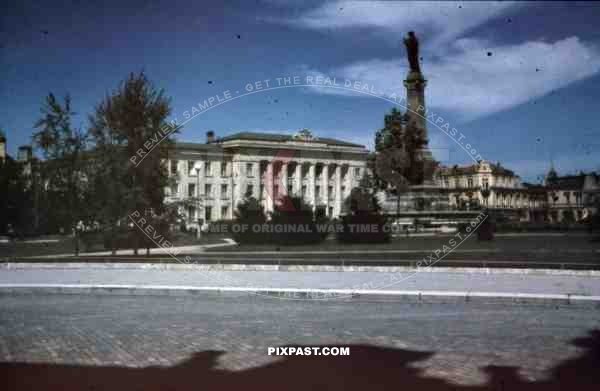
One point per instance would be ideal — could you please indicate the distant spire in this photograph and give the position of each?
(552, 174)
(552, 170)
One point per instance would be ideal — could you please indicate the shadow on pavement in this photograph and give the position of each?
(367, 368)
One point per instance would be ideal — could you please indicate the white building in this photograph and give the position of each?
(487, 185)
(221, 172)
(572, 197)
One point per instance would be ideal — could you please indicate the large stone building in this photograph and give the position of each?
(491, 186)
(571, 197)
(218, 174)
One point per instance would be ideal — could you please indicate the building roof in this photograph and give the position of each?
(274, 137)
(196, 146)
(497, 169)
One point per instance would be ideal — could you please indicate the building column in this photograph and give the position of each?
(325, 186)
(284, 178)
(268, 179)
(298, 181)
(257, 181)
(337, 209)
(311, 184)
(235, 183)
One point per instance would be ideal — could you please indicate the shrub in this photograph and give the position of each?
(295, 223)
(485, 230)
(363, 223)
(568, 217)
(249, 213)
(364, 228)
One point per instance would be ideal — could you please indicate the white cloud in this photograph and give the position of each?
(444, 20)
(472, 84)
(462, 77)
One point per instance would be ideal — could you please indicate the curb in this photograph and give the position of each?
(405, 296)
(293, 268)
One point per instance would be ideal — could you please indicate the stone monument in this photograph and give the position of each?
(426, 201)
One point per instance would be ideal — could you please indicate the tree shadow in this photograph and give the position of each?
(367, 368)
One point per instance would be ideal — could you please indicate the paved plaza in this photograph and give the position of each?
(225, 340)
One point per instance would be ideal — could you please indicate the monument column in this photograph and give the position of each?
(415, 83)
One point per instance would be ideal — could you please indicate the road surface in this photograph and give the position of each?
(222, 341)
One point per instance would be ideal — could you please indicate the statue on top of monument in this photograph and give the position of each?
(412, 49)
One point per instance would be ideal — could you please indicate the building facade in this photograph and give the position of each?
(486, 185)
(220, 173)
(572, 197)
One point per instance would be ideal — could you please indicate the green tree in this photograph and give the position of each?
(15, 198)
(124, 124)
(389, 158)
(64, 148)
(363, 198)
(299, 219)
(362, 222)
(250, 210)
(249, 213)
(400, 157)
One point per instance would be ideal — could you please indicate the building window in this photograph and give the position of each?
(191, 213)
(446, 182)
(224, 168)
(356, 171)
(303, 190)
(191, 170)
(330, 211)
(224, 191)
(290, 189)
(174, 190)
(208, 214)
(249, 168)
(470, 182)
(330, 191)
(486, 183)
(174, 167)
(207, 169)
(343, 191)
(208, 190)
(250, 191)
(224, 212)
(191, 190)
(263, 167)
(317, 191)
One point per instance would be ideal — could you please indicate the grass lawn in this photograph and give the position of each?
(58, 244)
(431, 243)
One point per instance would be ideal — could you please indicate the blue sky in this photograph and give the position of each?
(521, 81)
